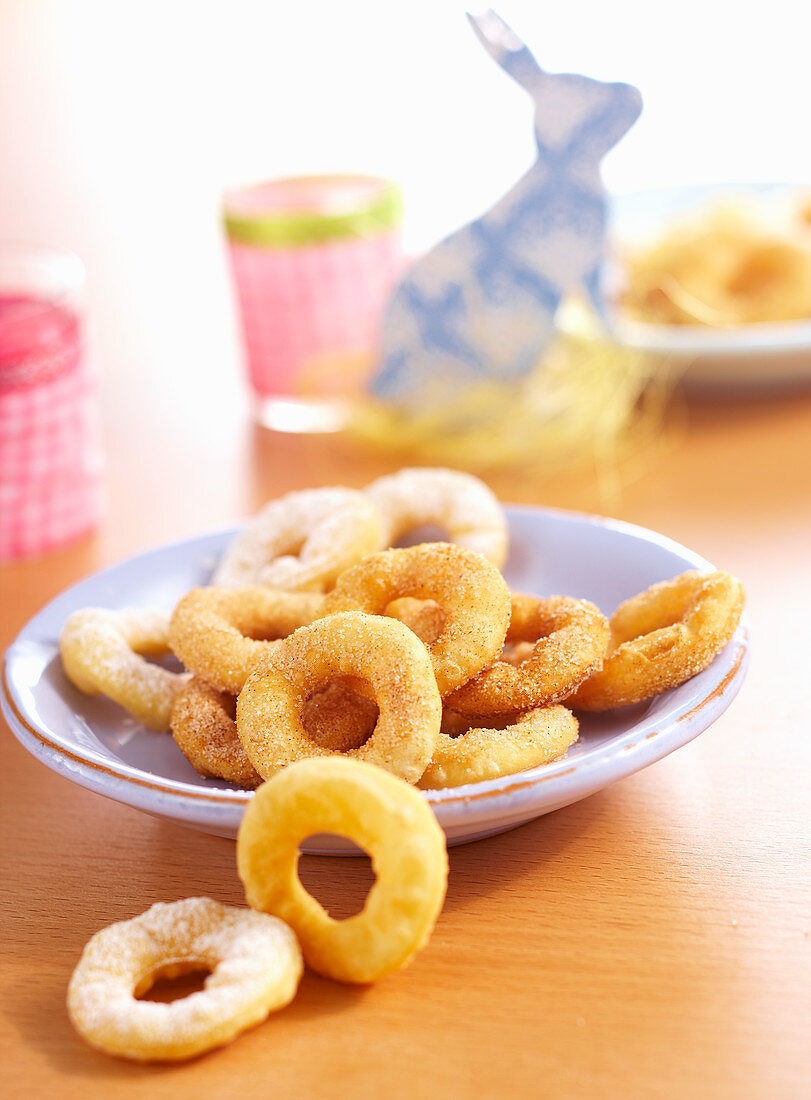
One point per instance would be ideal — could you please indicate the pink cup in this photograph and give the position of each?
(50, 466)
(314, 261)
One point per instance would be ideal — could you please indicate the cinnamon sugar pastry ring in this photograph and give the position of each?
(376, 649)
(662, 637)
(205, 730)
(220, 633)
(469, 589)
(462, 505)
(569, 640)
(104, 653)
(302, 541)
(255, 965)
(538, 737)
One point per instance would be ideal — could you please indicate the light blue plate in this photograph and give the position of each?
(92, 742)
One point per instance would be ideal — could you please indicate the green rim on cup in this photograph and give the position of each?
(304, 210)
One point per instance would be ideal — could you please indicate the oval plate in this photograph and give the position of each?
(92, 742)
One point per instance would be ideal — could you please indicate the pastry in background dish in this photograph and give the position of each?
(734, 263)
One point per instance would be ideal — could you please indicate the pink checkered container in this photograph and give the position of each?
(50, 456)
(314, 261)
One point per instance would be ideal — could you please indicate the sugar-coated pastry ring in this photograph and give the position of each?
(470, 590)
(255, 965)
(662, 637)
(462, 505)
(570, 639)
(302, 541)
(204, 727)
(104, 653)
(535, 738)
(220, 633)
(379, 650)
(384, 816)
(205, 731)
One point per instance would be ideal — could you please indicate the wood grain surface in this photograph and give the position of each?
(650, 941)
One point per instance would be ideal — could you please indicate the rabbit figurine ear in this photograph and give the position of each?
(507, 49)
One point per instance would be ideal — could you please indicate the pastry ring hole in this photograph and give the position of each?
(167, 661)
(257, 633)
(515, 653)
(174, 981)
(423, 532)
(340, 714)
(292, 548)
(455, 724)
(520, 645)
(426, 618)
(340, 886)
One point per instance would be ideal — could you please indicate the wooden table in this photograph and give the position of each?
(650, 941)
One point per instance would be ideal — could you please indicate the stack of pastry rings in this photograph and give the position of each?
(305, 541)
(405, 638)
(446, 667)
(300, 543)
(421, 661)
(418, 659)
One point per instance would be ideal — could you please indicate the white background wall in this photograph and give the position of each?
(121, 123)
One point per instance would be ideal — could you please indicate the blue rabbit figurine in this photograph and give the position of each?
(481, 304)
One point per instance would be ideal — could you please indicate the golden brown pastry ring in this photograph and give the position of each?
(205, 730)
(462, 505)
(569, 640)
(389, 820)
(538, 737)
(662, 637)
(221, 633)
(469, 589)
(373, 648)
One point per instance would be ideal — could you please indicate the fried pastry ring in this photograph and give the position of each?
(220, 633)
(538, 737)
(376, 649)
(459, 503)
(469, 589)
(103, 653)
(569, 637)
(662, 637)
(255, 965)
(302, 541)
(389, 820)
(205, 730)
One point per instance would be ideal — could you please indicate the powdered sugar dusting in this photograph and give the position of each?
(255, 965)
(302, 540)
(104, 653)
(460, 503)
